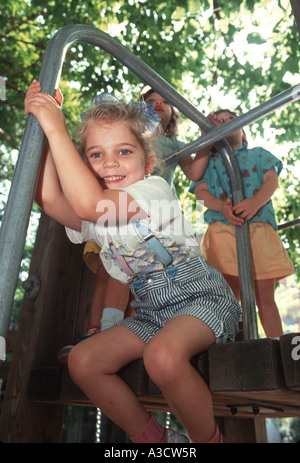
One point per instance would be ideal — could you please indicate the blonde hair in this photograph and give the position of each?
(132, 114)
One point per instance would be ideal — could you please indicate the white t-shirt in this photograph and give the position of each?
(165, 220)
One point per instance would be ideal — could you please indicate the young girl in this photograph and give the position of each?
(110, 299)
(183, 305)
(259, 170)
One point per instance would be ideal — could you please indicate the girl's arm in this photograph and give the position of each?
(216, 204)
(249, 207)
(49, 195)
(194, 168)
(80, 188)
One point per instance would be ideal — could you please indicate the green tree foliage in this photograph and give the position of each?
(237, 53)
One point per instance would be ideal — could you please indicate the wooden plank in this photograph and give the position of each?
(136, 376)
(290, 353)
(279, 402)
(243, 430)
(268, 406)
(10, 341)
(246, 366)
(45, 382)
(296, 10)
(4, 369)
(276, 403)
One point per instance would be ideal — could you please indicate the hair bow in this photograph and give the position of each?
(151, 118)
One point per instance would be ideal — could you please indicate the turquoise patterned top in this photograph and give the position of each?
(165, 147)
(253, 164)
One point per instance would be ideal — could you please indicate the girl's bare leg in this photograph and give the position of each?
(167, 360)
(234, 284)
(265, 301)
(267, 308)
(108, 292)
(94, 364)
(97, 303)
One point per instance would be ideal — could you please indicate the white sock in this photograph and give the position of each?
(110, 316)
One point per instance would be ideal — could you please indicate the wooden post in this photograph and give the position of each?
(243, 430)
(46, 324)
(296, 10)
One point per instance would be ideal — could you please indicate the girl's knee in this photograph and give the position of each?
(162, 362)
(79, 363)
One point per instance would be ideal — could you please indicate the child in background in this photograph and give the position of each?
(260, 171)
(183, 305)
(168, 143)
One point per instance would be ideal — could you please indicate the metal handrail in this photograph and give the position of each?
(289, 224)
(18, 208)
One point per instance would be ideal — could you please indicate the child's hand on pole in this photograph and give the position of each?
(45, 108)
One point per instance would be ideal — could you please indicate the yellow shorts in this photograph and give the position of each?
(269, 258)
(91, 256)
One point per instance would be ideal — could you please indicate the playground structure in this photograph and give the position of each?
(251, 377)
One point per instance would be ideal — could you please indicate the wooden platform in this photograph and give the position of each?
(247, 378)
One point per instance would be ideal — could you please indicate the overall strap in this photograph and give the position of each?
(122, 262)
(154, 244)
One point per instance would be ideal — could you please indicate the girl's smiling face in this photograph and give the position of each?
(115, 156)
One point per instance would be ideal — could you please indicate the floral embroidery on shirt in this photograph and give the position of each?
(141, 259)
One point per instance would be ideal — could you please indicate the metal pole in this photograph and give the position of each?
(289, 224)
